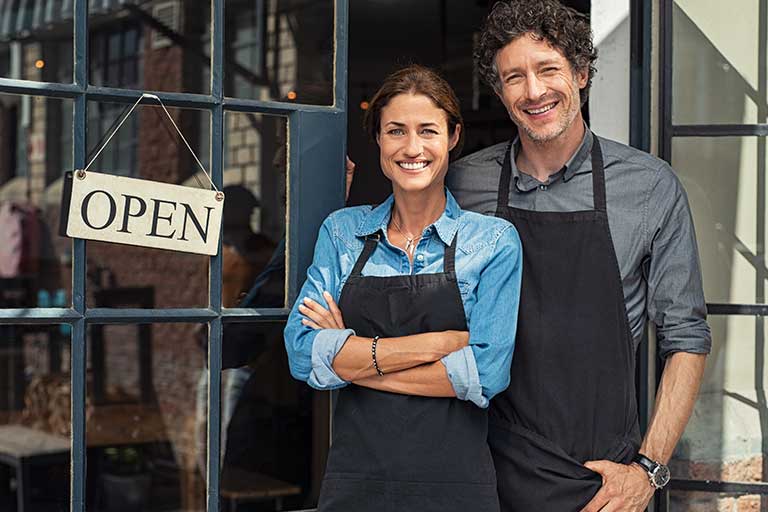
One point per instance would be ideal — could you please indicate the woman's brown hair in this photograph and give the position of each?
(415, 79)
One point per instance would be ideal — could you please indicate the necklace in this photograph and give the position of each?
(409, 239)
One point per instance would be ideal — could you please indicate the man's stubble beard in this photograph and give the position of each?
(563, 123)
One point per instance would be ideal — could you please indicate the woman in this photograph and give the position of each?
(411, 277)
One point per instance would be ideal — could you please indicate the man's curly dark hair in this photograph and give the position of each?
(562, 27)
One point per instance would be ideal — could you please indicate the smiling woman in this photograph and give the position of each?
(416, 380)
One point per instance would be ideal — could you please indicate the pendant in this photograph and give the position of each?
(408, 245)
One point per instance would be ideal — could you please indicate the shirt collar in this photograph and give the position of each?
(446, 226)
(525, 182)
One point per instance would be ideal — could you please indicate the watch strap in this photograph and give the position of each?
(648, 464)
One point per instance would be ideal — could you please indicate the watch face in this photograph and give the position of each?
(661, 476)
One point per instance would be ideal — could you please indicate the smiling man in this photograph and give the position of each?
(608, 244)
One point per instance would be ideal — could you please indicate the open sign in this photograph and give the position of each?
(144, 213)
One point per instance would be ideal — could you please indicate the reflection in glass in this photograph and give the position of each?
(155, 45)
(36, 40)
(34, 417)
(719, 61)
(727, 436)
(253, 248)
(280, 50)
(274, 429)
(723, 177)
(148, 147)
(145, 447)
(35, 263)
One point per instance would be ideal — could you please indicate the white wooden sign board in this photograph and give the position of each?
(145, 213)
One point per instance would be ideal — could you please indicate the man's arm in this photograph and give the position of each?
(675, 399)
(626, 487)
(676, 306)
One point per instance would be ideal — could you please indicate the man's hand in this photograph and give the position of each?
(626, 488)
(349, 169)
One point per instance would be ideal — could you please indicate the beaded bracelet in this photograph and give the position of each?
(373, 353)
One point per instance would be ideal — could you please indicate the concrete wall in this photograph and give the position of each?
(609, 104)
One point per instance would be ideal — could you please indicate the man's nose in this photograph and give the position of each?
(534, 88)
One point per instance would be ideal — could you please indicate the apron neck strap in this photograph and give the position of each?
(371, 241)
(449, 256)
(598, 177)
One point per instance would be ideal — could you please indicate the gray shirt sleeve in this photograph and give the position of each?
(676, 302)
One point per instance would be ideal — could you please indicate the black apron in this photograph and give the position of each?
(400, 453)
(571, 398)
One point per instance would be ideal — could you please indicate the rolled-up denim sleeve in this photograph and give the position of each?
(311, 352)
(492, 323)
(461, 368)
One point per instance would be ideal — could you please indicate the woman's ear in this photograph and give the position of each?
(454, 139)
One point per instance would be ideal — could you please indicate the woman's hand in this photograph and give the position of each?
(318, 317)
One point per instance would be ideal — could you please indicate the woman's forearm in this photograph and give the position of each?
(425, 380)
(354, 361)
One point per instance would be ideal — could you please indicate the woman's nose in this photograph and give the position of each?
(413, 145)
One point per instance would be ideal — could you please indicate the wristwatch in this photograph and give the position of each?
(658, 473)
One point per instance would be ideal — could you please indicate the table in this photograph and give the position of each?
(23, 447)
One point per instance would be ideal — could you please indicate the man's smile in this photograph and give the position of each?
(540, 110)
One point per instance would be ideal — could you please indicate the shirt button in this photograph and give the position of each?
(420, 257)
(542, 187)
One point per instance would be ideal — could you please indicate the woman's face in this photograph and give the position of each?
(414, 143)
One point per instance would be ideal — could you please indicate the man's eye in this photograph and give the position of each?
(513, 79)
(549, 70)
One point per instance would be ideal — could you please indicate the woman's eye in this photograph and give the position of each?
(396, 131)
(429, 132)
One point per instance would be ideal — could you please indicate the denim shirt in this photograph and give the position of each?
(488, 270)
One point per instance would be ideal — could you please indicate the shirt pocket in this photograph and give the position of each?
(465, 288)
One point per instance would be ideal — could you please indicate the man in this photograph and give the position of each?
(608, 242)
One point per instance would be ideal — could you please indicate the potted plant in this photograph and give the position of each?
(125, 480)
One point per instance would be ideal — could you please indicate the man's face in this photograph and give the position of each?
(539, 88)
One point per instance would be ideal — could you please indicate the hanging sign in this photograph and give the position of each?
(145, 213)
(118, 209)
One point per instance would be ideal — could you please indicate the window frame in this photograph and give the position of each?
(667, 130)
(317, 136)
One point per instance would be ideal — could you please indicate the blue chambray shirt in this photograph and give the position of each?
(488, 270)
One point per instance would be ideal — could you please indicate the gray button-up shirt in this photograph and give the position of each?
(649, 219)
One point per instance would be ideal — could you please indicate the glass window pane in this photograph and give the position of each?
(275, 429)
(148, 147)
(723, 177)
(155, 45)
(280, 50)
(35, 263)
(146, 417)
(36, 41)
(35, 416)
(716, 65)
(254, 211)
(727, 436)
